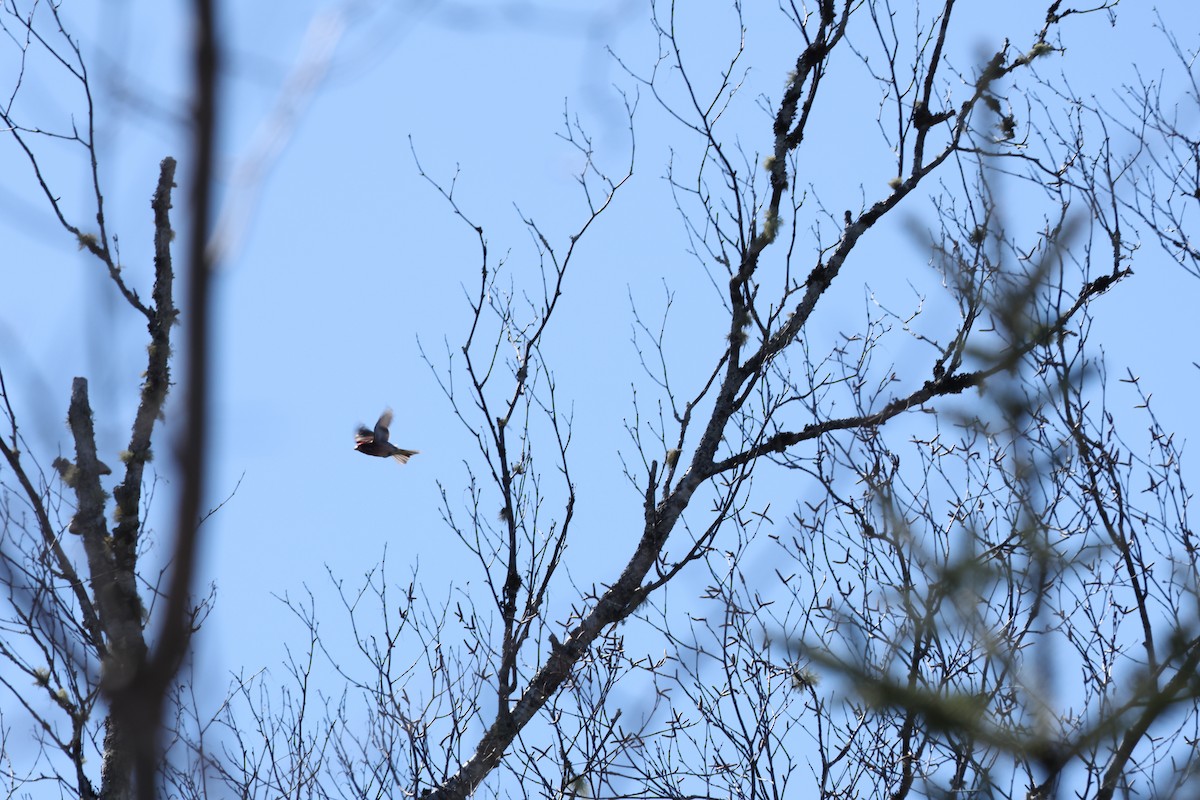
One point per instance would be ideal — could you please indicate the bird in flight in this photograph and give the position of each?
(375, 442)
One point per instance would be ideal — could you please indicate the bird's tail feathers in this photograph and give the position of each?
(404, 455)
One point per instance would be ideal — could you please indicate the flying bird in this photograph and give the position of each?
(375, 442)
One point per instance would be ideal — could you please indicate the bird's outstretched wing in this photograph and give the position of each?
(381, 427)
(363, 436)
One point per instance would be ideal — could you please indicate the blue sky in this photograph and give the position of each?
(349, 257)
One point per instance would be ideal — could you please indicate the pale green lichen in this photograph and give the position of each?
(1038, 50)
(770, 228)
(805, 679)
